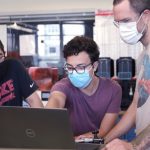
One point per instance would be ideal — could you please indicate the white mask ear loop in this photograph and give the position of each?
(144, 24)
(143, 28)
(139, 18)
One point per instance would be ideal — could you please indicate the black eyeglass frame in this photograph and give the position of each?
(80, 69)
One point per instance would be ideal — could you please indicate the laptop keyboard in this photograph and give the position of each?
(87, 146)
(79, 146)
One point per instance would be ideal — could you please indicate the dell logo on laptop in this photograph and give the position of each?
(30, 133)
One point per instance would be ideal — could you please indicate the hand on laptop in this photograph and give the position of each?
(89, 138)
(83, 136)
(84, 140)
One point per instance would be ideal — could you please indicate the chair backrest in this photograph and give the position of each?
(125, 67)
(44, 77)
(106, 67)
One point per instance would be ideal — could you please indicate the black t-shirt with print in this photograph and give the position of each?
(15, 83)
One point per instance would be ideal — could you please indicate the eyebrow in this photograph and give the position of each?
(123, 20)
(83, 64)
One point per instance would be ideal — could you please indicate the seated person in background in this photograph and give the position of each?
(15, 83)
(93, 102)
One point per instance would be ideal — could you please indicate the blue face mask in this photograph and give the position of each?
(80, 81)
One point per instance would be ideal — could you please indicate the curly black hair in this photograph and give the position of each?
(82, 44)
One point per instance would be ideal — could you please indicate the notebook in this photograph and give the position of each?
(35, 128)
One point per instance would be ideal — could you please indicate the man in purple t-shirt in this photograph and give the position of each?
(93, 103)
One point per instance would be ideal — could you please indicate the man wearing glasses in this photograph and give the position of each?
(93, 103)
(132, 17)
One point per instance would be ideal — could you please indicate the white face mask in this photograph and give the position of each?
(129, 32)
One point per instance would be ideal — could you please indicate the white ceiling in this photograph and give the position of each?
(10, 7)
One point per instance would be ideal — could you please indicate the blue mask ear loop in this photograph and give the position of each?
(93, 71)
(94, 67)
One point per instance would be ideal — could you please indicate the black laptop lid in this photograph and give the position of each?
(35, 128)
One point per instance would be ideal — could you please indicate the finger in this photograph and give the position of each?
(80, 137)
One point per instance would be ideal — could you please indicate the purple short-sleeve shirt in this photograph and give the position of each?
(86, 112)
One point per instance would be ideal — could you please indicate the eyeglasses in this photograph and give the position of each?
(79, 68)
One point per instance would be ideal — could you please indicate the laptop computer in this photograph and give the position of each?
(37, 128)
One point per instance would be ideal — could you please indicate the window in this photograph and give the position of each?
(72, 30)
(49, 41)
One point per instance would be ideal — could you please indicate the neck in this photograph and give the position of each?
(89, 90)
(146, 39)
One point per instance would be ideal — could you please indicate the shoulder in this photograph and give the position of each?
(106, 80)
(110, 83)
(63, 85)
(13, 61)
(16, 67)
(11, 64)
(63, 82)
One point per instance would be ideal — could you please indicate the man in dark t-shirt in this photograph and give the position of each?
(15, 83)
(93, 103)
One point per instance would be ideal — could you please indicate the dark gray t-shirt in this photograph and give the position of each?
(86, 112)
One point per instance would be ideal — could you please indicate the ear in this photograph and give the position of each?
(146, 15)
(95, 65)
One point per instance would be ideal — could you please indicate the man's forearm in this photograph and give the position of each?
(126, 122)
